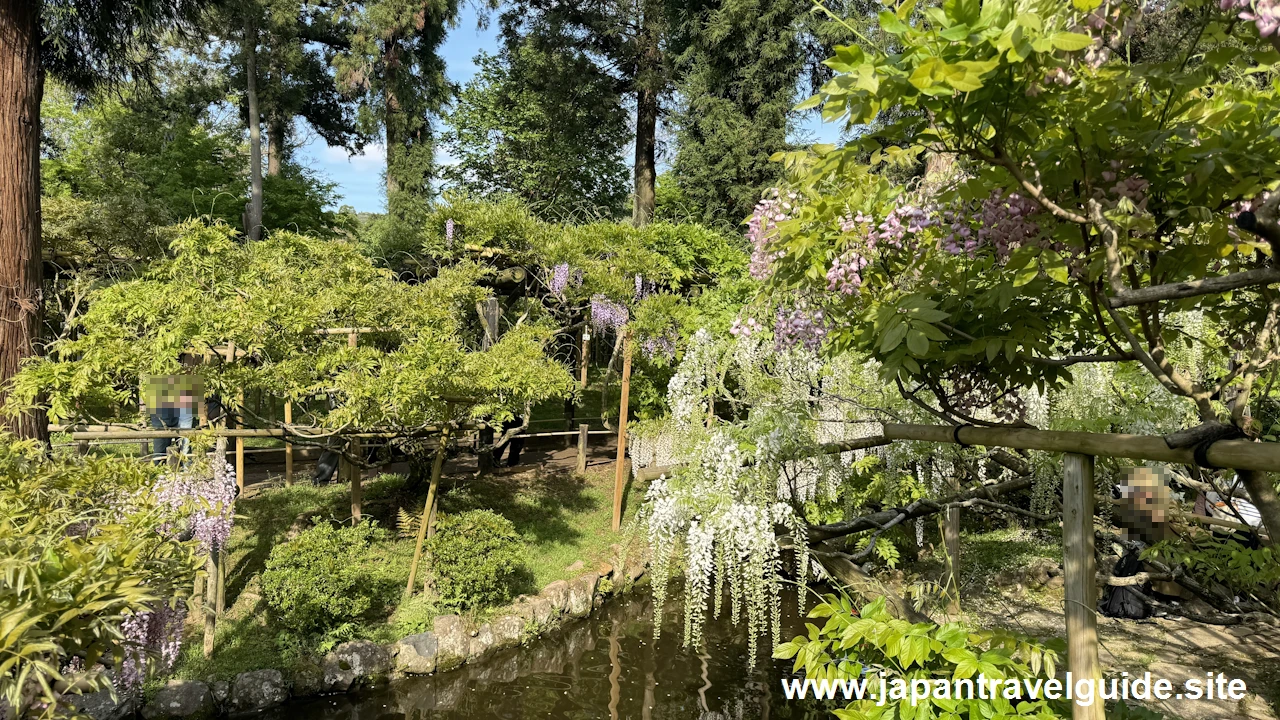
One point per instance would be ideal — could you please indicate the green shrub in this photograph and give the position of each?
(327, 580)
(476, 557)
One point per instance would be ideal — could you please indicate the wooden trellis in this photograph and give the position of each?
(1079, 450)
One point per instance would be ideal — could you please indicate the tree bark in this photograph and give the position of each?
(253, 222)
(391, 114)
(21, 272)
(647, 87)
(277, 141)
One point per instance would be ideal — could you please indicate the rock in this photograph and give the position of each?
(416, 654)
(481, 643)
(508, 630)
(180, 699)
(308, 678)
(582, 592)
(635, 572)
(258, 690)
(1057, 582)
(452, 642)
(576, 567)
(354, 662)
(100, 705)
(605, 571)
(557, 593)
(543, 612)
(1040, 570)
(221, 690)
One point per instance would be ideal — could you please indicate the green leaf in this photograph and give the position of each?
(893, 338)
(1070, 41)
(891, 24)
(917, 343)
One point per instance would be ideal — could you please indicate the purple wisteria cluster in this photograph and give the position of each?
(209, 501)
(762, 227)
(1133, 187)
(802, 325)
(644, 288)
(660, 346)
(606, 313)
(448, 233)
(559, 279)
(1005, 223)
(157, 634)
(1263, 13)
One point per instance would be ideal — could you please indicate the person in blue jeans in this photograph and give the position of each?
(170, 402)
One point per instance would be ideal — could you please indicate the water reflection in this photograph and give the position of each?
(607, 666)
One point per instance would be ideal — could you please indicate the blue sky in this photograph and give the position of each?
(359, 178)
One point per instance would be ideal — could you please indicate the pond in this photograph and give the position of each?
(607, 666)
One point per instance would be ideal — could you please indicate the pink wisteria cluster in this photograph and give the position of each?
(157, 634)
(1133, 187)
(1263, 13)
(762, 228)
(208, 499)
(971, 392)
(801, 324)
(1004, 222)
(745, 328)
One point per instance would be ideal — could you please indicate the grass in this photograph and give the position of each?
(985, 554)
(562, 517)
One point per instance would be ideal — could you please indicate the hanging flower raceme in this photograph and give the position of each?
(157, 634)
(448, 233)
(606, 313)
(1263, 13)
(801, 325)
(762, 227)
(208, 498)
(559, 279)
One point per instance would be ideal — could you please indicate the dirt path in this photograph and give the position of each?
(1173, 648)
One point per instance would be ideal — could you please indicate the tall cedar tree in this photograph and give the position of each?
(739, 67)
(394, 66)
(545, 123)
(628, 37)
(82, 43)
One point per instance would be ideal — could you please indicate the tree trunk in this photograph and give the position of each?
(21, 272)
(277, 141)
(647, 87)
(253, 223)
(391, 114)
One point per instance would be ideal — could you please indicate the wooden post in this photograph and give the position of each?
(582, 370)
(1079, 570)
(623, 412)
(82, 448)
(222, 582)
(210, 604)
(239, 444)
(356, 473)
(288, 446)
(951, 546)
(353, 339)
(489, 318)
(582, 448)
(426, 524)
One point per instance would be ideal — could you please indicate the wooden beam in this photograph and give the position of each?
(623, 411)
(1080, 577)
(582, 448)
(1240, 454)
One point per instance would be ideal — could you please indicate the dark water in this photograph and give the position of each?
(606, 666)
